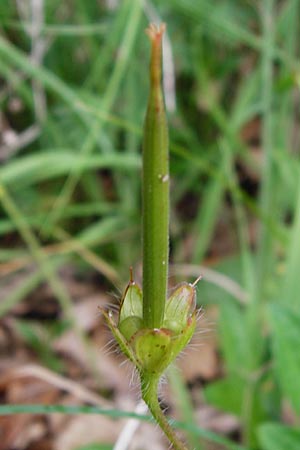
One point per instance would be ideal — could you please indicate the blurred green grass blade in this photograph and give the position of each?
(204, 224)
(72, 410)
(36, 251)
(267, 187)
(12, 55)
(208, 435)
(233, 337)
(93, 189)
(288, 28)
(240, 216)
(48, 271)
(7, 225)
(22, 291)
(76, 211)
(285, 326)
(7, 254)
(38, 339)
(247, 104)
(216, 21)
(274, 436)
(228, 394)
(290, 291)
(242, 334)
(89, 256)
(16, 57)
(288, 171)
(103, 231)
(61, 30)
(94, 235)
(96, 126)
(74, 99)
(28, 285)
(99, 231)
(96, 76)
(220, 25)
(83, 12)
(206, 167)
(16, 82)
(95, 447)
(28, 170)
(184, 404)
(91, 209)
(115, 414)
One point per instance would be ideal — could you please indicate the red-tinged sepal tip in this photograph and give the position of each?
(155, 32)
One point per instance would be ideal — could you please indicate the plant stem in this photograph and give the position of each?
(149, 387)
(155, 193)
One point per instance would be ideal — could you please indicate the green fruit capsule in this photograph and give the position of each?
(155, 209)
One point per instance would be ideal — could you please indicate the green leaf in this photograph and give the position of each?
(273, 436)
(286, 342)
(226, 394)
(233, 336)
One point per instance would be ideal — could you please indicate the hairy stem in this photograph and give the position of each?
(155, 192)
(149, 387)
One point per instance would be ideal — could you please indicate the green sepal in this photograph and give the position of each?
(182, 339)
(123, 344)
(131, 310)
(179, 307)
(152, 349)
(130, 326)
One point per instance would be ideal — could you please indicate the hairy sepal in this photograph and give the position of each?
(152, 350)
